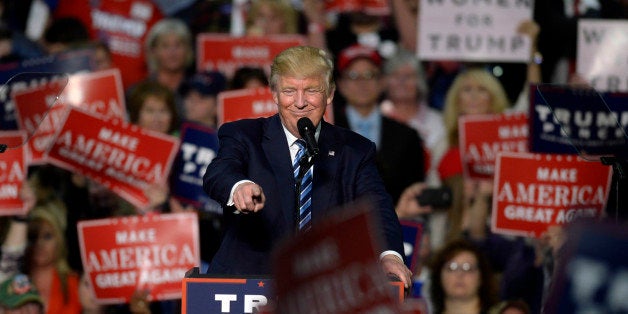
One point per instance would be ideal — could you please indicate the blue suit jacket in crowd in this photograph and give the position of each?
(257, 150)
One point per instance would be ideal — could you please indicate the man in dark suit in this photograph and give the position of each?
(252, 174)
(400, 155)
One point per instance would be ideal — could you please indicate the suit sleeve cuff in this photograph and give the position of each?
(391, 252)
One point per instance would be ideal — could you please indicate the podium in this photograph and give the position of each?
(203, 293)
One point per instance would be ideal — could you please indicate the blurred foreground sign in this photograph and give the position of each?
(593, 275)
(333, 268)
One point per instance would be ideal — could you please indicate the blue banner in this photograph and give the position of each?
(412, 233)
(593, 277)
(203, 294)
(564, 120)
(199, 146)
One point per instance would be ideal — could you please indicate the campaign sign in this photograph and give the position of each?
(250, 103)
(602, 57)
(122, 25)
(97, 92)
(564, 120)
(226, 53)
(245, 103)
(40, 116)
(412, 234)
(123, 157)
(47, 68)
(325, 270)
(198, 148)
(12, 173)
(535, 191)
(473, 30)
(206, 294)
(592, 274)
(371, 7)
(152, 252)
(483, 136)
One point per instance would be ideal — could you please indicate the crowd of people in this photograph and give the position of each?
(409, 108)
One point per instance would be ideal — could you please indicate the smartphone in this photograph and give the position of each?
(437, 198)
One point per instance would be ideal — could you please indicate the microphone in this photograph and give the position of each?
(307, 130)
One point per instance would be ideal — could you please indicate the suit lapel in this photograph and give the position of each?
(325, 170)
(277, 153)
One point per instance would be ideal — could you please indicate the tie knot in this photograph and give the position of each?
(301, 143)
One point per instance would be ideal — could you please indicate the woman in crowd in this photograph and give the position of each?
(277, 17)
(406, 92)
(474, 92)
(152, 106)
(170, 55)
(461, 280)
(45, 259)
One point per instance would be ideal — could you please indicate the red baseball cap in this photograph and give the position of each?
(357, 51)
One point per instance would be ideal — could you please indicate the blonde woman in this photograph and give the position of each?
(473, 92)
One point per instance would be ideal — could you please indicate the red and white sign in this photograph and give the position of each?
(123, 157)
(153, 252)
(535, 191)
(39, 114)
(245, 103)
(97, 92)
(227, 53)
(251, 103)
(122, 25)
(372, 7)
(12, 173)
(483, 136)
(326, 271)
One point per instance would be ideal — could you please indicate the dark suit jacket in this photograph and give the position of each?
(400, 156)
(257, 150)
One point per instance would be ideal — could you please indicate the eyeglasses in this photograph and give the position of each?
(462, 267)
(366, 76)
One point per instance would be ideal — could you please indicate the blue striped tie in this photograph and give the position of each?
(305, 197)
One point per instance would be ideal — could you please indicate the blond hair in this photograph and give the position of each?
(451, 111)
(283, 9)
(303, 62)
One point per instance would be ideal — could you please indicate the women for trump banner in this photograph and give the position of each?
(473, 30)
(152, 252)
(535, 191)
(12, 173)
(123, 157)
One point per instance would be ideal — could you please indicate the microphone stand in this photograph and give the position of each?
(619, 181)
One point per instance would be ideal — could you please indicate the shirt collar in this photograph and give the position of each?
(291, 138)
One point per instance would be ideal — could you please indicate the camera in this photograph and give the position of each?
(437, 198)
